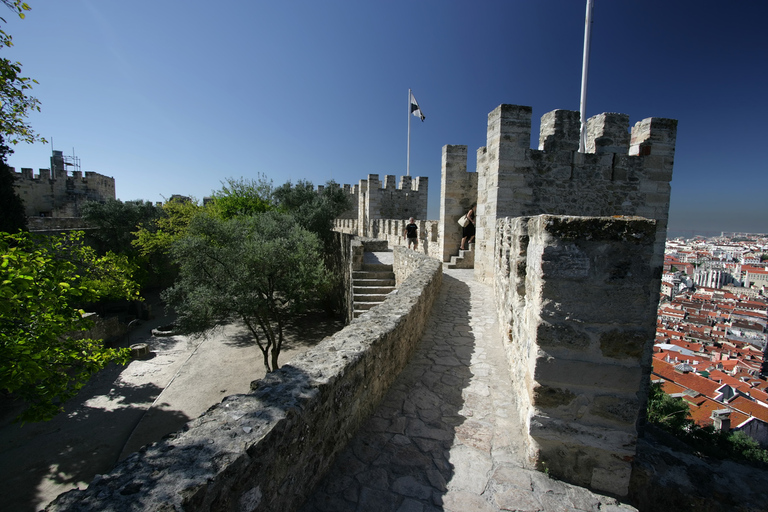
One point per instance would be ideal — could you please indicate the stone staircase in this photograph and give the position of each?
(465, 258)
(371, 285)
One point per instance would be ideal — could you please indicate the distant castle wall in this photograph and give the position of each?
(60, 193)
(391, 230)
(372, 200)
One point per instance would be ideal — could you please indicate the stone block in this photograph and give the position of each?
(561, 336)
(596, 458)
(595, 374)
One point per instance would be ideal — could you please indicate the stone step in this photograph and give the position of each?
(371, 286)
(377, 267)
(362, 274)
(374, 283)
(376, 290)
(370, 297)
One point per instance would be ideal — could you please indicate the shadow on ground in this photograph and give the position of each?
(40, 460)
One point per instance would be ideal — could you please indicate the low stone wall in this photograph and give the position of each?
(267, 450)
(391, 230)
(577, 298)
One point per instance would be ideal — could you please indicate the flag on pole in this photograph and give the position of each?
(415, 109)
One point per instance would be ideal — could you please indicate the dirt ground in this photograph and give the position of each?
(125, 407)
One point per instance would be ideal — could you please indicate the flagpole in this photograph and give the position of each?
(584, 75)
(408, 159)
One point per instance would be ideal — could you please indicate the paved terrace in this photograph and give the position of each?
(446, 435)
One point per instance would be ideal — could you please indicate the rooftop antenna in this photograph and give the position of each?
(584, 76)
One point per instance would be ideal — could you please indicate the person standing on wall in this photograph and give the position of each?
(411, 233)
(469, 230)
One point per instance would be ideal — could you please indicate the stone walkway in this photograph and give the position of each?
(445, 436)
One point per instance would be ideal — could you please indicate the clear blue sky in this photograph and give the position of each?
(173, 97)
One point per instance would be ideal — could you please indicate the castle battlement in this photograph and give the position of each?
(623, 172)
(373, 199)
(60, 193)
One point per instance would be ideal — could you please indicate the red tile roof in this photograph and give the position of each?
(691, 381)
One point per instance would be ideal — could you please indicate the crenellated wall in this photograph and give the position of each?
(372, 200)
(391, 230)
(61, 193)
(620, 174)
(573, 244)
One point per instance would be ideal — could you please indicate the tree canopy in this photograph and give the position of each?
(243, 197)
(314, 211)
(43, 283)
(257, 269)
(116, 222)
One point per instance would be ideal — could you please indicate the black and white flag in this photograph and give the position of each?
(415, 109)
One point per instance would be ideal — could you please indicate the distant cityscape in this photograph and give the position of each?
(711, 330)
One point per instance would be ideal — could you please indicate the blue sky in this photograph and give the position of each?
(173, 97)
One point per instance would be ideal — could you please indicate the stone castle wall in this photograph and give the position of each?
(371, 199)
(391, 230)
(575, 297)
(620, 174)
(61, 193)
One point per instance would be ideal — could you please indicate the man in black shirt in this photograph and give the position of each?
(411, 232)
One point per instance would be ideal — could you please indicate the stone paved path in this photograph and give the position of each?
(444, 438)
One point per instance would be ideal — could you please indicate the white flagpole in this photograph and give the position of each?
(584, 75)
(408, 159)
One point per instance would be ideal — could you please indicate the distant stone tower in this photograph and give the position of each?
(57, 192)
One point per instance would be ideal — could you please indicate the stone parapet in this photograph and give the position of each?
(373, 199)
(60, 195)
(267, 450)
(577, 300)
(620, 173)
(391, 230)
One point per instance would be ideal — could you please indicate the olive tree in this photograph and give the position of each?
(257, 269)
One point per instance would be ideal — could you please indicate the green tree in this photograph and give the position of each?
(257, 269)
(116, 222)
(672, 414)
(243, 197)
(13, 216)
(43, 283)
(158, 235)
(314, 211)
(15, 102)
